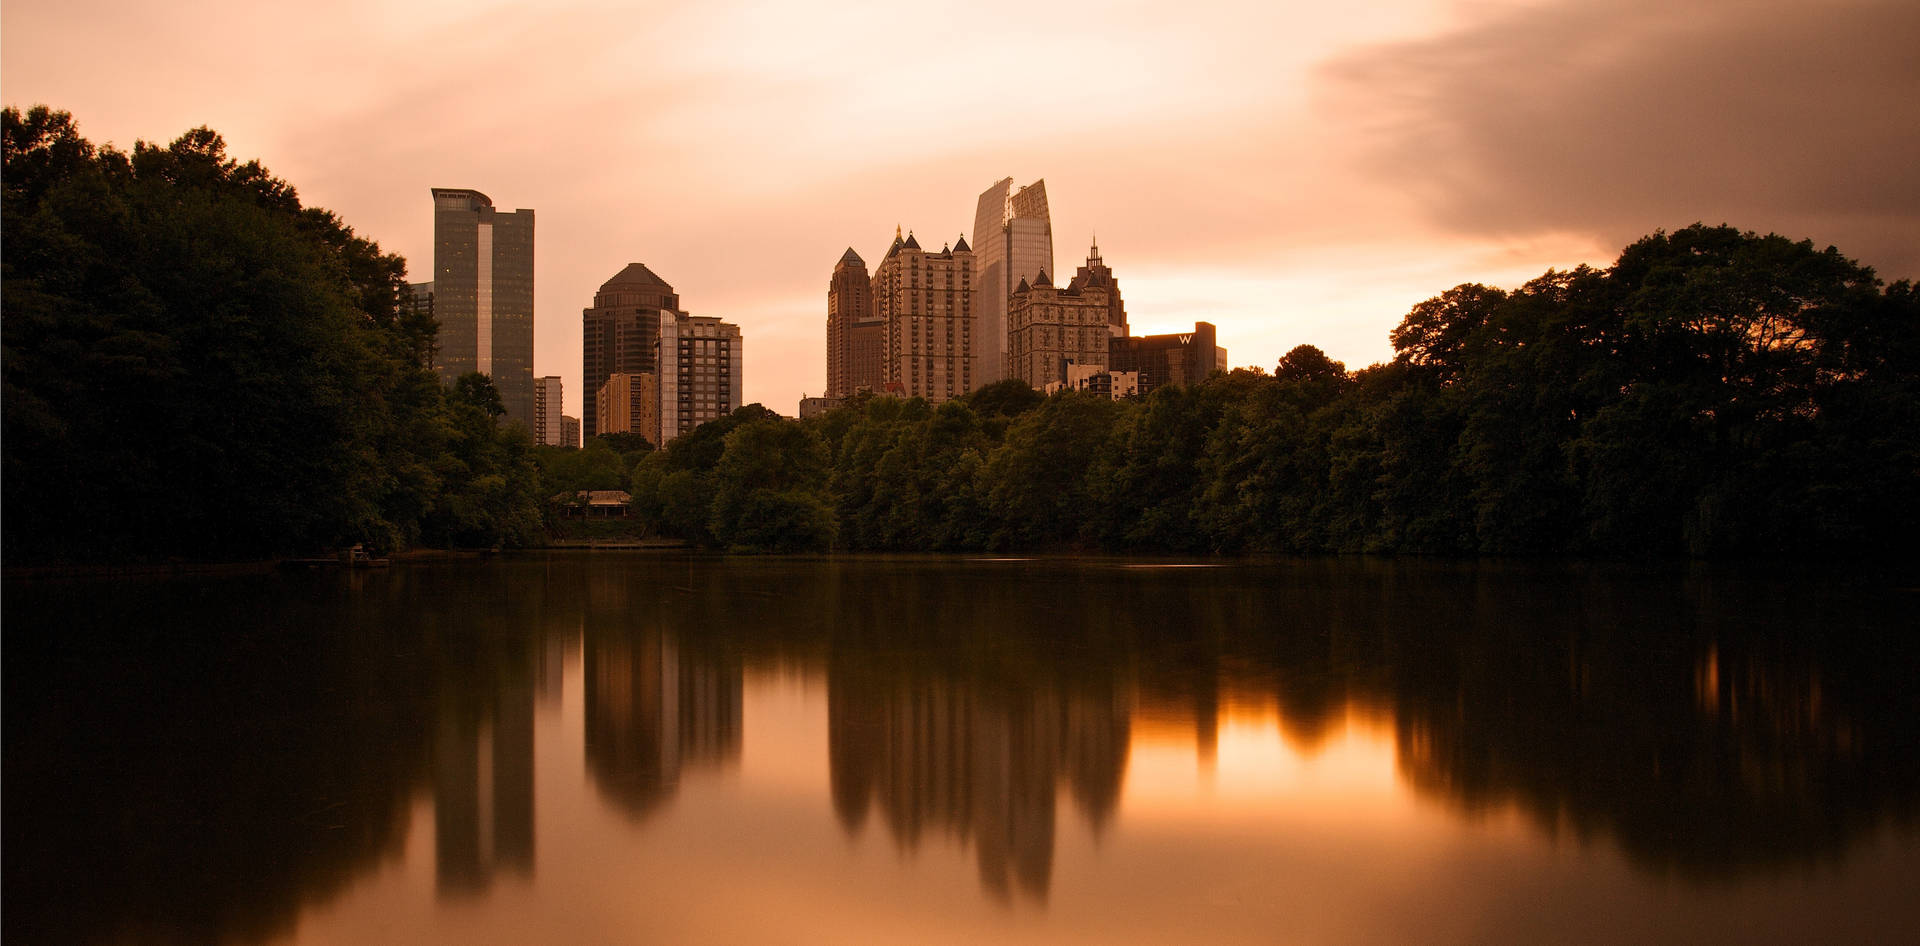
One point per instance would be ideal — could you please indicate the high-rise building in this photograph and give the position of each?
(628, 403)
(699, 376)
(1185, 358)
(1014, 241)
(1095, 274)
(483, 294)
(569, 431)
(618, 335)
(547, 405)
(1049, 328)
(856, 337)
(417, 303)
(925, 301)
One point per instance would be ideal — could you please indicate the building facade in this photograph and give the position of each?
(925, 302)
(700, 361)
(1013, 240)
(628, 404)
(1184, 358)
(1048, 328)
(483, 294)
(569, 431)
(1096, 379)
(547, 405)
(620, 333)
(1094, 274)
(416, 304)
(815, 406)
(856, 337)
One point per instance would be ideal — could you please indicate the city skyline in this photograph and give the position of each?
(1304, 177)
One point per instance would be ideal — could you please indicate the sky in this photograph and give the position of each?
(1295, 173)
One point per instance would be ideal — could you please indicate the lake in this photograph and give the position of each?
(645, 748)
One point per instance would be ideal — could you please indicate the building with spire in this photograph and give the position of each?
(482, 294)
(1094, 274)
(1050, 328)
(924, 304)
(619, 333)
(856, 337)
(1014, 240)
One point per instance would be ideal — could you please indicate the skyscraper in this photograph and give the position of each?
(1051, 328)
(1013, 240)
(618, 335)
(856, 337)
(483, 294)
(925, 301)
(546, 410)
(700, 358)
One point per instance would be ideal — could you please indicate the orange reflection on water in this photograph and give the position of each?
(1248, 752)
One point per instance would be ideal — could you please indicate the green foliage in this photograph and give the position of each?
(1712, 393)
(196, 365)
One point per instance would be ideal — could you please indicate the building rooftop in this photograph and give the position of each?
(851, 257)
(637, 274)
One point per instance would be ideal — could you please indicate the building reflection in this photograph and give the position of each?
(980, 762)
(654, 710)
(483, 786)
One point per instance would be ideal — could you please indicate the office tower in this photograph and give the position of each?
(569, 431)
(1050, 328)
(628, 404)
(483, 294)
(1186, 358)
(1014, 238)
(856, 338)
(619, 333)
(699, 376)
(546, 410)
(925, 301)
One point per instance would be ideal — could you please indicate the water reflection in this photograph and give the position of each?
(654, 709)
(980, 760)
(199, 761)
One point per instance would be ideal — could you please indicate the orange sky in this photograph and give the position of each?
(1291, 172)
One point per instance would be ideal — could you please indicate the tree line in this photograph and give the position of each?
(1712, 393)
(197, 365)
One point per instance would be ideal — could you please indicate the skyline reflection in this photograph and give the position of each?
(1691, 723)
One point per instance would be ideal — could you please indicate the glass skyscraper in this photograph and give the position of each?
(483, 294)
(1012, 240)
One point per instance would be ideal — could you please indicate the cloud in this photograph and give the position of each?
(1616, 117)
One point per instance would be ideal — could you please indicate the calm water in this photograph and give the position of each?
(633, 749)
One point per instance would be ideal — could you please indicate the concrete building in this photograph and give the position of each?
(856, 337)
(547, 405)
(1185, 358)
(483, 294)
(1048, 327)
(1096, 379)
(1013, 238)
(628, 404)
(569, 431)
(620, 332)
(925, 301)
(815, 406)
(700, 361)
